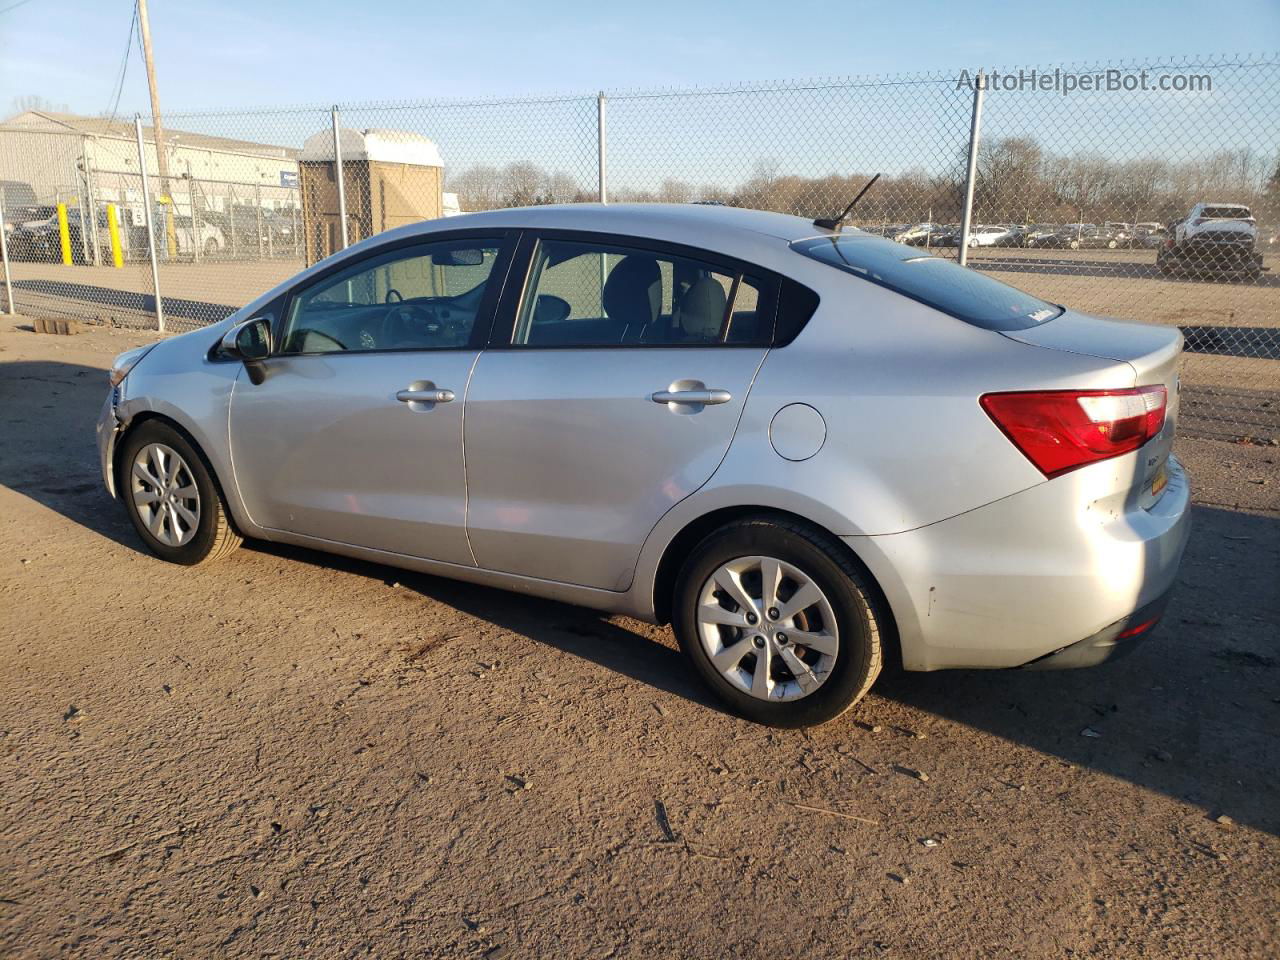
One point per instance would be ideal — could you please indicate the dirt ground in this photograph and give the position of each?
(291, 754)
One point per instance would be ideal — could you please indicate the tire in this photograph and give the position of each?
(171, 536)
(211, 246)
(856, 650)
(1111, 244)
(1075, 244)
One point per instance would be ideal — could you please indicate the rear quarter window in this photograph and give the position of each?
(963, 293)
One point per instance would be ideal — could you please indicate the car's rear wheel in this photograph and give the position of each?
(780, 621)
(211, 246)
(171, 497)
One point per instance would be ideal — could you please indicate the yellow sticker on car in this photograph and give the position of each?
(1160, 480)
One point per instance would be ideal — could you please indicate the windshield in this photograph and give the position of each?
(942, 284)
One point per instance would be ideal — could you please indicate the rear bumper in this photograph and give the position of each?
(1116, 641)
(1028, 576)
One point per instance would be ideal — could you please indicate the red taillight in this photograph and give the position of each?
(1060, 430)
(1140, 628)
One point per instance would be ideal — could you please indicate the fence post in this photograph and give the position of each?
(601, 168)
(4, 256)
(337, 170)
(148, 218)
(91, 203)
(971, 172)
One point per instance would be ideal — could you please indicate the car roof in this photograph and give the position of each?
(639, 218)
(755, 236)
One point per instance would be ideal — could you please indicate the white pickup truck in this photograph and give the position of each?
(1219, 238)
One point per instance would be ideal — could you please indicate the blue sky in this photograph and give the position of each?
(239, 54)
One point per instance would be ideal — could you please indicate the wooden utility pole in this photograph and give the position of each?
(157, 130)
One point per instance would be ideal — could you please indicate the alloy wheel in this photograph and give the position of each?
(165, 494)
(768, 628)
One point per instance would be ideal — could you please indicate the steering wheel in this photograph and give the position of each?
(408, 324)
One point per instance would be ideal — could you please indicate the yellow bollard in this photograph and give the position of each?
(113, 231)
(64, 233)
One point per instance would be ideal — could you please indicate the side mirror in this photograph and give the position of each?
(250, 343)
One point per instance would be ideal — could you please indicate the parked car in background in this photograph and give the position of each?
(1148, 235)
(1096, 238)
(1015, 235)
(657, 402)
(1214, 238)
(208, 238)
(247, 229)
(1042, 235)
(980, 235)
(41, 238)
(1082, 236)
(916, 236)
(1121, 232)
(20, 205)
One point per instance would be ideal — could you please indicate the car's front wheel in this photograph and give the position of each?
(780, 621)
(171, 497)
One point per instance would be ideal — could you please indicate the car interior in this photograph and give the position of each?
(426, 300)
(644, 299)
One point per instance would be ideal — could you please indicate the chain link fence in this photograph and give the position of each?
(1111, 188)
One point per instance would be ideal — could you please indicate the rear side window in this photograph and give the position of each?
(584, 294)
(944, 285)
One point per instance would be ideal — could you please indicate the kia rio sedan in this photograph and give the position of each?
(814, 453)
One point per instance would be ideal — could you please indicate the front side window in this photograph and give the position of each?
(589, 295)
(424, 297)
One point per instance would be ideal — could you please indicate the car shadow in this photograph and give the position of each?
(618, 644)
(1192, 713)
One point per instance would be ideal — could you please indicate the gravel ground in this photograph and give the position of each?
(290, 754)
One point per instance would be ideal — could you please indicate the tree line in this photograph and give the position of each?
(1017, 181)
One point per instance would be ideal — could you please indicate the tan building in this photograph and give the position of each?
(391, 177)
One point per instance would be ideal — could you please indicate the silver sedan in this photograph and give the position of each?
(815, 453)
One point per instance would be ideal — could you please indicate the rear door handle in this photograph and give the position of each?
(424, 396)
(700, 397)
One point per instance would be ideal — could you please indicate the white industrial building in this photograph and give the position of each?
(75, 159)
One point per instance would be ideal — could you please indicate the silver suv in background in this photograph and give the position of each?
(812, 452)
(1214, 238)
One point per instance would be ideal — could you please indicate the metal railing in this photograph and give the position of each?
(1080, 196)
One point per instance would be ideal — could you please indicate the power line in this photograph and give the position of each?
(14, 6)
(124, 65)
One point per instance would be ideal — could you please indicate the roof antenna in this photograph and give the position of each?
(836, 223)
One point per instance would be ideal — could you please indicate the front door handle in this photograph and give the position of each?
(701, 397)
(424, 396)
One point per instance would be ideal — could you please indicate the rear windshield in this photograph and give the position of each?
(1227, 213)
(942, 284)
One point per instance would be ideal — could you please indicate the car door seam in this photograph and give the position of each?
(466, 479)
(231, 451)
(746, 397)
